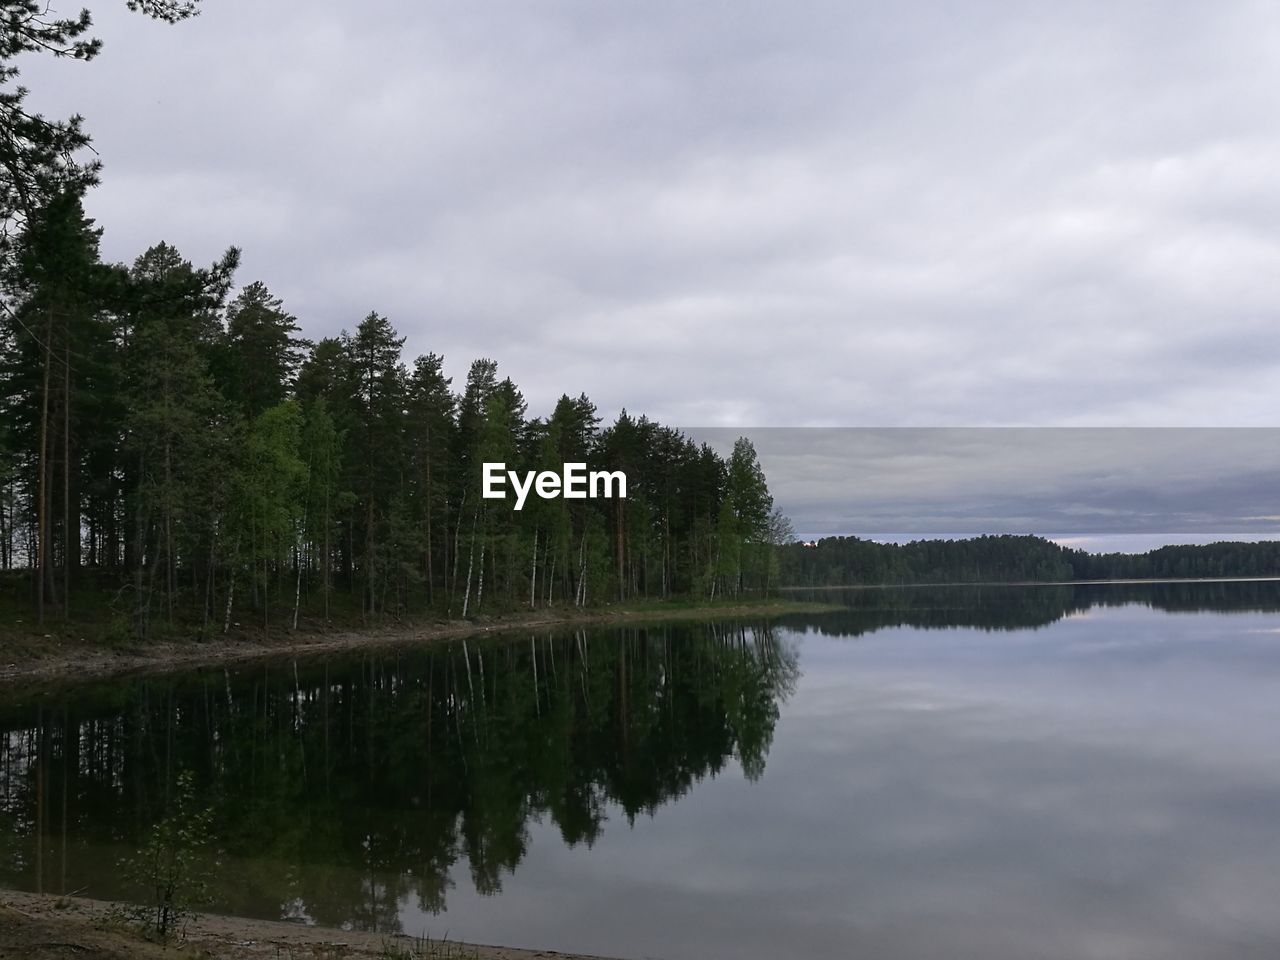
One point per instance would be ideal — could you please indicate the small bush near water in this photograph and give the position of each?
(169, 865)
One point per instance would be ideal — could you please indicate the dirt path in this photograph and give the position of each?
(34, 927)
(60, 659)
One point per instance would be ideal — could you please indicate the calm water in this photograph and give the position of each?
(967, 773)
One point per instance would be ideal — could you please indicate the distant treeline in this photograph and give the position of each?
(842, 561)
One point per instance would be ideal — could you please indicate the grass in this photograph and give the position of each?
(424, 948)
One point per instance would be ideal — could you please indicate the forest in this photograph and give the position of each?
(176, 453)
(191, 453)
(177, 457)
(845, 561)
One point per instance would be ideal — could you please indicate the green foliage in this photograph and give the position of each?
(269, 483)
(118, 631)
(170, 865)
(176, 443)
(261, 353)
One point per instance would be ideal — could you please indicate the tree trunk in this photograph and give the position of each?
(4, 531)
(457, 533)
(480, 584)
(168, 529)
(42, 511)
(621, 547)
(431, 589)
(140, 599)
(297, 587)
(551, 574)
(466, 597)
(297, 550)
(370, 586)
(209, 584)
(326, 548)
(71, 527)
(231, 595)
(533, 573)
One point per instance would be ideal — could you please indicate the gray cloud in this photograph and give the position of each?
(734, 214)
(1136, 487)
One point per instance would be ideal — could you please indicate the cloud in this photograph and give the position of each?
(1128, 484)
(746, 214)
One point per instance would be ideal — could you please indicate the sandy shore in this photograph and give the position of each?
(34, 927)
(55, 658)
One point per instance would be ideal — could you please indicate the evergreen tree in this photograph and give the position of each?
(322, 451)
(375, 434)
(430, 439)
(54, 334)
(262, 351)
(176, 433)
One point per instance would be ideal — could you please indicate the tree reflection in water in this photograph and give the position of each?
(342, 787)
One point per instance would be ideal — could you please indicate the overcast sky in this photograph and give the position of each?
(1095, 488)
(746, 213)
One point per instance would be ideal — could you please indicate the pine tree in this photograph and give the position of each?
(262, 351)
(430, 438)
(375, 435)
(322, 451)
(55, 284)
(176, 432)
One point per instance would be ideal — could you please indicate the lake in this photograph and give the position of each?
(969, 772)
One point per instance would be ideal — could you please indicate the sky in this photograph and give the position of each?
(733, 214)
(746, 214)
(1101, 489)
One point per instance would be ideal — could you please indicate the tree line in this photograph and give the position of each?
(842, 561)
(177, 447)
(205, 462)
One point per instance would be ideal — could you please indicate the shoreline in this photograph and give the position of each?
(31, 923)
(85, 661)
(1132, 581)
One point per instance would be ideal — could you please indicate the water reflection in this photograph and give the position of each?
(345, 788)
(1062, 773)
(1022, 607)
